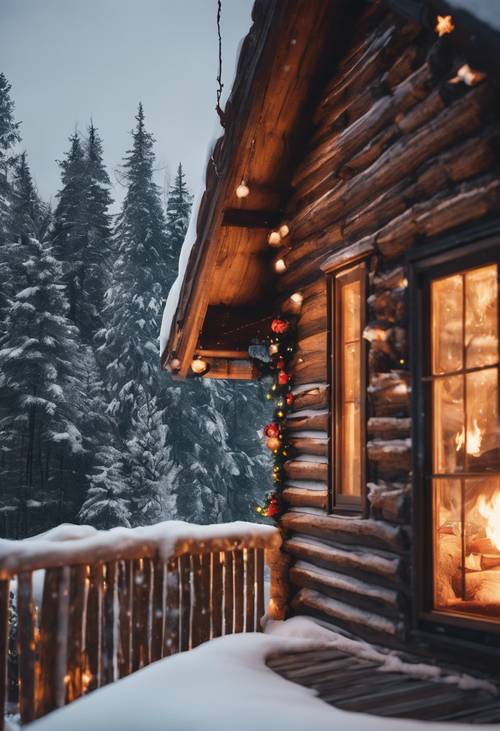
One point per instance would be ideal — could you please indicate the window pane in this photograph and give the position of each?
(351, 310)
(447, 324)
(482, 437)
(351, 372)
(448, 575)
(448, 434)
(481, 322)
(351, 443)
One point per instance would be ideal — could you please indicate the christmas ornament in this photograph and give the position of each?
(280, 326)
(283, 378)
(271, 430)
(273, 443)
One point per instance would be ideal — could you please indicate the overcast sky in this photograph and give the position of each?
(68, 60)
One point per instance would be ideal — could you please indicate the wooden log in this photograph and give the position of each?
(158, 610)
(356, 620)
(402, 158)
(389, 427)
(310, 422)
(26, 646)
(109, 621)
(76, 661)
(228, 593)
(302, 470)
(185, 587)
(205, 565)
(316, 397)
(352, 531)
(93, 630)
(310, 445)
(310, 367)
(365, 564)
(353, 591)
(389, 393)
(239, 616)
(391, 279)
(53, 641)
(125, 622)
(4, 645)
(278, 562)
(259, 588)
(392, 452)
(390, 502)
(217, 600)
(141, 589)
(249, 590)
(302, 498)
(171, 637)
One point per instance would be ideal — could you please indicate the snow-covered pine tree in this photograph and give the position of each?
(129, 340)
(29, 216)
(9, 137)
(178, 211)
(152, 474)
(82, 230)
(38, 354)
(107, 503)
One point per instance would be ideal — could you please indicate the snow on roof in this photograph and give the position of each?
(225, 685)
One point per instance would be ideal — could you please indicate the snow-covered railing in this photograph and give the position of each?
(80, 608)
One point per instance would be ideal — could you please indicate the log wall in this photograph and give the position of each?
(396, 153)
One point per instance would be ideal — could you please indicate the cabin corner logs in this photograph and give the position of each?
(398, 151)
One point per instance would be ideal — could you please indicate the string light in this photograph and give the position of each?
(470, 77)
(242, 191)
(274, 238)
(284, 230)
(444, 25)
(199, 366)
(297, 298)
(280, 266)
(175, 365)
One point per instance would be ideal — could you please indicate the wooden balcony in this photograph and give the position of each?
(81, 608)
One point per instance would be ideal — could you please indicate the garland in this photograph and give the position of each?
(281, 348)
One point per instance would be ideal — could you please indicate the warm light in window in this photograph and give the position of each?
(274, 238)
(280, 265)
(444, 25)
(242, 191)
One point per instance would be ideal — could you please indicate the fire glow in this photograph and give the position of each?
(474, 440)
(490, 511)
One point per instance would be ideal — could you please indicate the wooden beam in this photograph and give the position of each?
(247, 218)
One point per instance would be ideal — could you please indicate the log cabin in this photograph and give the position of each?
(355, 189)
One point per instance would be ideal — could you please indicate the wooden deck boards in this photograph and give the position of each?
(358, 685)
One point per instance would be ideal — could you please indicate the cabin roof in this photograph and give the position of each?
(225, 292)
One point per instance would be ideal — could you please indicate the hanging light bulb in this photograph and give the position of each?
(280, 266)
(242, 190)
(284, 230)
(273, 349)
(274, 238)
(297, 298)
(199, 366)
(175, 365)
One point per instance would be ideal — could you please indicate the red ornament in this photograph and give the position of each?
(273, 509)
(283, 378)
(281, 363)
(290, 398)
(271, 430)
(279, 326)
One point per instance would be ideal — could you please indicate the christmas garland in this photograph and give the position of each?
(281, 348)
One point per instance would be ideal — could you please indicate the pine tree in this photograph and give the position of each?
(38, 356)
(9, 137)
(108, 503)
(82, 235)
(178, 211)
(129, 341)
(28, 215)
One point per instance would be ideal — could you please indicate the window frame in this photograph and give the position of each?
(477, 247)
(339, 503)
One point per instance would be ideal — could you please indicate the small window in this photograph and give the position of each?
(348, 375)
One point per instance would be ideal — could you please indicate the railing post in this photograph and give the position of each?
(278, 562)
(4, 644)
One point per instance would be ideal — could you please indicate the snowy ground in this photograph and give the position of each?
(224, 685)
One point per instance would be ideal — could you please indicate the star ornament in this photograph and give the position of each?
(444, 25)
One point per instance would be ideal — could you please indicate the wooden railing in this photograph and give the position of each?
(114, 601)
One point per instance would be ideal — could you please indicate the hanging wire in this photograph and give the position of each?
(220, 85)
